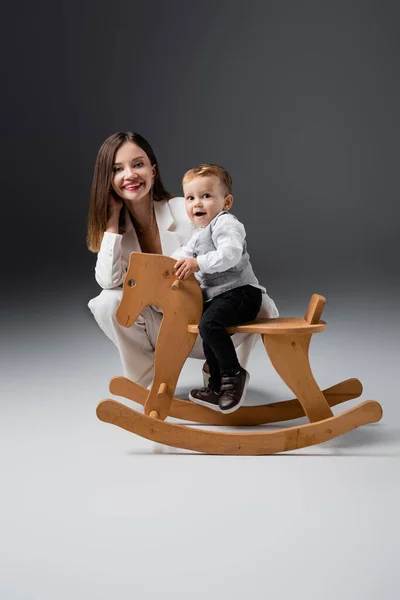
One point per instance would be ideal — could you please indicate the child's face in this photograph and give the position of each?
(205, 198)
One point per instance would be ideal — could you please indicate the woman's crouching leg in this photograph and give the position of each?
(135, 344)
(244, 344)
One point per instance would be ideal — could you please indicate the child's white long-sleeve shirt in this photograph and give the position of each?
(228, 236)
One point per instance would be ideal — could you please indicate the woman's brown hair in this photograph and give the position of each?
(101, 185)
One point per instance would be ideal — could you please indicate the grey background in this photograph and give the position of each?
(299, 100)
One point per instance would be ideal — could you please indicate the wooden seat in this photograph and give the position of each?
(280, 326)
(151, 280)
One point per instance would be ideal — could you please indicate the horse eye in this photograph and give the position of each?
(131, 283)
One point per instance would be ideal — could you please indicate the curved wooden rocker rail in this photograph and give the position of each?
(246, 415)
(210, 442)
(150, 280)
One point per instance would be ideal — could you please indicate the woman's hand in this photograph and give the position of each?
(115, 205)
(185, 267)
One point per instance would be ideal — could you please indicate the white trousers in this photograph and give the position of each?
(136, 344)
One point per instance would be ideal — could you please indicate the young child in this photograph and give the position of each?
(217, 255)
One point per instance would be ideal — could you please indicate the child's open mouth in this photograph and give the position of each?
(199, 214)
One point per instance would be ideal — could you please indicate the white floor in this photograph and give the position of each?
(89, 511)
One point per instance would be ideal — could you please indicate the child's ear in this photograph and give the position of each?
(228, 202)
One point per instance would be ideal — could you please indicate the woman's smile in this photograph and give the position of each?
(132, 186)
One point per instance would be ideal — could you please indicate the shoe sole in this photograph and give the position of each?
(203, 403)
(239, 404)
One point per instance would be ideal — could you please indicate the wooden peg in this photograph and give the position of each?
(176, 285)
(154, 414)
(162, 391)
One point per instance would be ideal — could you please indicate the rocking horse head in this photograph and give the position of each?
(151, 280)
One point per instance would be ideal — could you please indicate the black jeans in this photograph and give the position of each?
(230, 308)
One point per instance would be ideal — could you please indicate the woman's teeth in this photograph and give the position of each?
(132, 187)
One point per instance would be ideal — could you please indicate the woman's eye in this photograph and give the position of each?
(139, 165)
(116, 169)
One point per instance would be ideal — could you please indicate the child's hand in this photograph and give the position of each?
(185, 267)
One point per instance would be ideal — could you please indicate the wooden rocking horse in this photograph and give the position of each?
(151, 280)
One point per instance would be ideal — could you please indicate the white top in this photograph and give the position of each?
(228, 236)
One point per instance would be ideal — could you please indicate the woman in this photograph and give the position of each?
(131, 211)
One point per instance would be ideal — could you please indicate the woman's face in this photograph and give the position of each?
(132, 172)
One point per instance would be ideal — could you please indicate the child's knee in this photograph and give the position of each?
(204, 325)
(208, 325)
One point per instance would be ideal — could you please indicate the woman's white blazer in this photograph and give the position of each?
(175, 229)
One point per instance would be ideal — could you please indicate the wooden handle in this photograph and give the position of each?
(315, 308)
(176, 285)
(162, 390)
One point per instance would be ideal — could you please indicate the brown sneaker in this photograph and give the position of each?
(205, 397)
(233, 391)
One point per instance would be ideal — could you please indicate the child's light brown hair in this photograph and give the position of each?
(204, 170)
